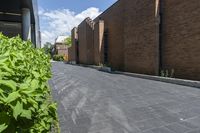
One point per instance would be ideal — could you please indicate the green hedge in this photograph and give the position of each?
(25, 99)
(58, 58)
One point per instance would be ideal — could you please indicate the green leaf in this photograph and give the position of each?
(53, 107)
(27, 114)
(43, 124)
(34, 84)
(12, 97)
(24, 101)
(3, 127)
(33, 103)
(1, 91)
(11, 84)
(6, 68)
(31, 88)
(3, 59)
(17, 110)
(36, 74)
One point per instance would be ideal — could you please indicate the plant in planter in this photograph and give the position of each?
(167, 73)
(58, 58)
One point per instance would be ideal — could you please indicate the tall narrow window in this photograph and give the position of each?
(77, 50)
(106, 47)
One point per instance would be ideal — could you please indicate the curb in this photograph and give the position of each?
(184, 82)
(103, 69)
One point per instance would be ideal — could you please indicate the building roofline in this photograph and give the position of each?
(107, 9)
(85, 20)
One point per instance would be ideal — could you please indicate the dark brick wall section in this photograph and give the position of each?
(114, 24)
(181, 37)
(82, 43)
(141, 37)
(72, 50)
(90, 41)
(86, 45)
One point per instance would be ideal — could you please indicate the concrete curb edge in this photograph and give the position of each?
(190, 83)
(184, 82)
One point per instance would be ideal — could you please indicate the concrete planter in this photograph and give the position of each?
(105, 69)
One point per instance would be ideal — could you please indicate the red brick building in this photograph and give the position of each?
(86, 42)
(144, 37)
(60, 47)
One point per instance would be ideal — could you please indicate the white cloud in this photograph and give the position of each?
(60, 22)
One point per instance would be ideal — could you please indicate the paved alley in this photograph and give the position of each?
(91, 101)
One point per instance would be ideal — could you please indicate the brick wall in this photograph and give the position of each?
(70, 54)
(61, 49)
(73, 49)
(141, 36)
(142, 41)
(98, 42)
(114, 24)
(82, 43)
(90, 41)
(181, 37)
(86, 45)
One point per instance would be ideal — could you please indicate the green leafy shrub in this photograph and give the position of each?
(25, 101)
(167, 73)
(58, 58)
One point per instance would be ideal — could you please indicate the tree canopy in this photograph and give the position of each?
(48, 47)
(68, 41)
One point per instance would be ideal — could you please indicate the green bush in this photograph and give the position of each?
(25, 99)
(58, 58)
(167, 73)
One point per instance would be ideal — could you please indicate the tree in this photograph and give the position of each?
(68, 41)
(48, 47)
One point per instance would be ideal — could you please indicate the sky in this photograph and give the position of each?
(58, 17)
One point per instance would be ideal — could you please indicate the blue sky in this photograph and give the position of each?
(58, 17)
(75, 5)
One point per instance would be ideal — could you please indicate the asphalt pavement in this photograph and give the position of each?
(91, 101)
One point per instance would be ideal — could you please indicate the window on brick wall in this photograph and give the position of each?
(106, 47)
(77, 51)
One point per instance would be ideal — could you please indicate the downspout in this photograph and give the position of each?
(160, 35)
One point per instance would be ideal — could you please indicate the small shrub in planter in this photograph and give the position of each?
(167, 73)
(25, 99)
(58, 58)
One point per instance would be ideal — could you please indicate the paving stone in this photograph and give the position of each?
(188, 125)
(148, 131)
(177, 128)
(190, 112)
(149, 124)
(195, 131)
(162, 130)
(170, 118)
(140, 114)
(195, 121)
(91, 101)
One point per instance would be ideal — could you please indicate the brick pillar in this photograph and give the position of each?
(98, 42)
